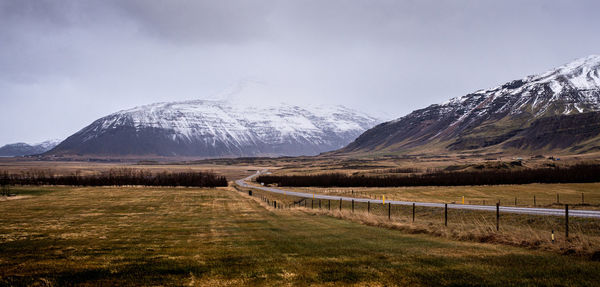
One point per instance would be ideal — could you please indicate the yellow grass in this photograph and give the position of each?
(545, 194)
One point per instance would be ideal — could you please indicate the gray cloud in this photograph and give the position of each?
(65, 63)
(229, 22)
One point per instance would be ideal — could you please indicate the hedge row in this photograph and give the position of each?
(116, 177)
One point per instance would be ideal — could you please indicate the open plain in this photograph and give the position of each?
(220, 237)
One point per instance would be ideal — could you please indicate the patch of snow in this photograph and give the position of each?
(49, 144)
(556, 87)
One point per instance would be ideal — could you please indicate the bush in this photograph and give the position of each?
(4, 190)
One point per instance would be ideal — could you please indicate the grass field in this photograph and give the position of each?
(529, 231)
(12, 165)
(545, 194)
(218, 237)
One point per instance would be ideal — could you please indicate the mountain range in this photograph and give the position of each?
(24, 149)
(558, 110)
(217, 128)
(555, 110)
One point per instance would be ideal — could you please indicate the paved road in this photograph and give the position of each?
(504, 209)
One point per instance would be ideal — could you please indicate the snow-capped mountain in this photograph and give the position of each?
(23, 149)
(218, 128)
(556, 109)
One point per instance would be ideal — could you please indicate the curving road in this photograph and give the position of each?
(506, 209)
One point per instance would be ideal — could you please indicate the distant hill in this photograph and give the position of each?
(217, 128)
(556, 110)
(23, 149)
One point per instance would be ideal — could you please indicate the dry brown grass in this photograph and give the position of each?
(527, 231)
(479, 231)
(545, 194)
(378, 163)
(134, 236)
(232, 172)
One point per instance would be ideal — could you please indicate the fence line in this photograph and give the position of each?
(302, 203)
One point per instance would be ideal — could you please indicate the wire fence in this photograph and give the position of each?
(576, 200)
(565, 233)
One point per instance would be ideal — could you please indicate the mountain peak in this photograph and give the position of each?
(591, 62)
(580, 74)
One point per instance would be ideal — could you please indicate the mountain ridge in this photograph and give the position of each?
(25, 149)
(492, 118)
(217, 128)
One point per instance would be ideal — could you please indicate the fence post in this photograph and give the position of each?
(557, 198)
(312, 204)
(566, 220)
(275, 204)
(534, 201)
(368, 207)
(445, 214)
(389, 211)
(497, 216)
(413, 212)
(515, 201)
(319, 203)
(329, 205)
(582, 201)
(353, 205)
(340, 204)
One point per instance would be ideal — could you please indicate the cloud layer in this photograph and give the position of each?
(65, 63)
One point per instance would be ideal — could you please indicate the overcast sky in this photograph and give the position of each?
(65, 63)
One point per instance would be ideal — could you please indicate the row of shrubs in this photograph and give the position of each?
(116, 177)
(570, 174)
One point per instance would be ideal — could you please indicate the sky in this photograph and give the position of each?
(64, 64)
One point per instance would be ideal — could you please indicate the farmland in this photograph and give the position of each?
(177, 236)
(545, 194)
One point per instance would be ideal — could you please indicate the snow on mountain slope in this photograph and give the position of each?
(211, 128)
(49, 144)
(494, 116)
(574, 87)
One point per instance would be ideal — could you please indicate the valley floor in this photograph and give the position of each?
(219, 237)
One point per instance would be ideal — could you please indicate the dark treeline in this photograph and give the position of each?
(115, 177)
(571, 174)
